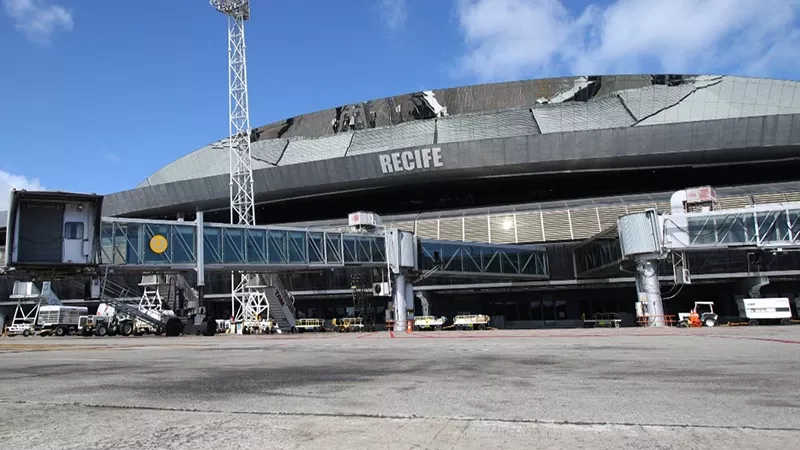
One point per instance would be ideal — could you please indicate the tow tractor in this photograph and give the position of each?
(429, 323)
(701, 315)
(348, 324)
(471, 322)
(107, 322)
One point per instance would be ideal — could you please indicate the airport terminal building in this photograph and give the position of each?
(549, 163)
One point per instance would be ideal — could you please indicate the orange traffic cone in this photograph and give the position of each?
(409, 326)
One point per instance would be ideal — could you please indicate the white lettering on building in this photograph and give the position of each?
(408, 160)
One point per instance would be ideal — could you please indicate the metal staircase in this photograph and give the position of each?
(281, 303)
(116, 295)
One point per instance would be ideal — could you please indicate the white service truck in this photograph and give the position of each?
(471, 322)
(58, 319)
(765, 311)
(429, 323)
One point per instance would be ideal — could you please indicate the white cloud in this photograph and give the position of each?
(37, 19)
(514, 38)
(394, 13)
(10, 181)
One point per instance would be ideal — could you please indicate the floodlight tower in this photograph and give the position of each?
(247, 300)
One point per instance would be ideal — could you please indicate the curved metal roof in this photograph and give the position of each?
(491, 111)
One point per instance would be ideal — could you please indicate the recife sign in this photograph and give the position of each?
(411, 160)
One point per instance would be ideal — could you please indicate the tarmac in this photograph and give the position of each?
(585, 388)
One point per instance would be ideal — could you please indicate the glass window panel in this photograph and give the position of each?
(156, 230)
(183, 245)
(256, 246)
(334, 248)
(212, 250)
(349, 249)
(232, 245)
(277, 247)
(297, 247)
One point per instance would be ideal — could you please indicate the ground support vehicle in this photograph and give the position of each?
(471, 322)
(765, 311)
(263, 326)
(429, 323)
(701, 315)
(603, 320)
(25, 329)
(59, 320)
(348, 324)
(302, 325)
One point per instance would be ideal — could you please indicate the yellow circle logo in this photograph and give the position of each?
(158, 244)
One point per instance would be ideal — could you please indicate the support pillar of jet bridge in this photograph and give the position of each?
(649, 290)
(401, 255)
(640, 241)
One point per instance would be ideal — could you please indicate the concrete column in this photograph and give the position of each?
(647, 286)
(400, 303)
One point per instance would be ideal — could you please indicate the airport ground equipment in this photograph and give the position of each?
(348, 324)
(59, 320)
(765, 311)
(471, 322)
(24, 320)
(701, 315)
(602, 320)
(309, 324)
(422, 323)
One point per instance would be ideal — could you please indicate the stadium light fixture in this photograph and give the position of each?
(238, 9)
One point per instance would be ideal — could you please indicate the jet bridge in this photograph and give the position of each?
(159, 245)
(694, 224)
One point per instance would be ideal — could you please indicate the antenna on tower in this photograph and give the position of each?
(248, 301)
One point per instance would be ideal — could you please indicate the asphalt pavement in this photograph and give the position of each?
(620, 388)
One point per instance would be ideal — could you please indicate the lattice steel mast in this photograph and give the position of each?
(246, 295)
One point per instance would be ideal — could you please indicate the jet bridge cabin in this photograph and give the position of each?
(53, 231)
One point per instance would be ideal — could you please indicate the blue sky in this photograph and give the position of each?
(99, 94)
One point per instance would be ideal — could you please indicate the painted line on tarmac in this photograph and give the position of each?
(774, 340)
(393, 416)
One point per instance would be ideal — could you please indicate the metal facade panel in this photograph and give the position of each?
(268, 150)
(502, 229)
(607, 112)
(733, 202)
(304, 150)
(636, 234)
(610, 214)
(529, 227)
(451, 229)
(556, 226)
(733, 97)
(646, 101)
(410, 134)
(40, 233)
(486, 126)
(584, 222)
(776, 197)
(209, 161)
(428, 228)
(476, 229)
